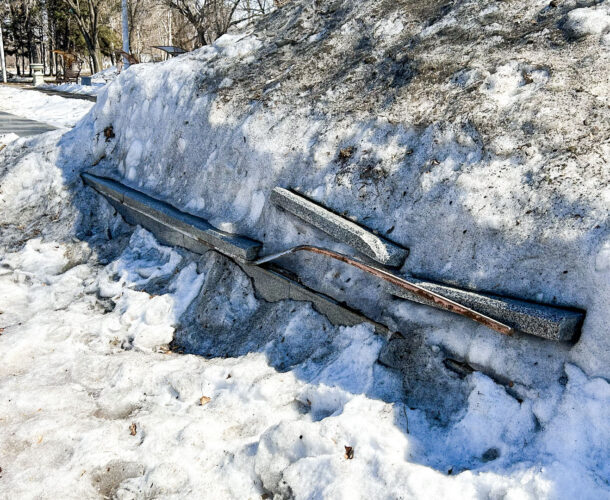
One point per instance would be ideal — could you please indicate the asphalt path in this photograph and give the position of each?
(22, 126)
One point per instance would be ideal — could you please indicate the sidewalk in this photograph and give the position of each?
(68, 95)
(22, 126)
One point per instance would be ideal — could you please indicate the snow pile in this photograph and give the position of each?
(76, 88)
(486, 155)
(50, 109)
(462, 131)
(96, 404)
(99, 81)
(588, 21)
(106, 75)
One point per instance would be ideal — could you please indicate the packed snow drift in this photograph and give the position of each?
(476, 134)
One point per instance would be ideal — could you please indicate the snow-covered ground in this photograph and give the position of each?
(94, 402)
(50, 109)
(256, 399)
(76, 88)
(99, 81)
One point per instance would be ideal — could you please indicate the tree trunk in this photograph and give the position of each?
(201, 37)
(93, 46)
(126, 32)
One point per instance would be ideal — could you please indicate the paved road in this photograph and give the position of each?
(21, 126)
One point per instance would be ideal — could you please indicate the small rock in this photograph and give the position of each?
(490, 455)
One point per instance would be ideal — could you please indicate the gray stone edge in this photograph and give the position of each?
(544, 321)
(345, 231)
(274, 286)
(191, 232)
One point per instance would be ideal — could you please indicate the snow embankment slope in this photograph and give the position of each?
(475, 140)
(96, 406)
(477, 136)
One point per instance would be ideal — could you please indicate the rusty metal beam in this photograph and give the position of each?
(438, 300)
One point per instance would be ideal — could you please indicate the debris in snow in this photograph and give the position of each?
(587, 21)
(349, 452)
(204, 400)
(490, 455)
(346, 153)
(133, 429)
(109, 133)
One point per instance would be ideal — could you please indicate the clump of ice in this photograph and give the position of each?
(588, 21)
(7, 138)
(510, 82)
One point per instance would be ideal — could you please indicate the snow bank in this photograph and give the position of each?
(480, 168)
(99, 81)
(483, 153)
(97, 405)
(106, 75)
(75, 88)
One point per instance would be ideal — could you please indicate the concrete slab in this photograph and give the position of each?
(172, 227)
(169, 224)
(548, 322)
(274, 284)
(341, 229)
(22, 126)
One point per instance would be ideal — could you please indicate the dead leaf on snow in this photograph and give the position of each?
(133, 429)
(109, 133)
(346, 153)
(204, 400)
(349, 452)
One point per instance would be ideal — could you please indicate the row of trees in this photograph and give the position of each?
(34, 29)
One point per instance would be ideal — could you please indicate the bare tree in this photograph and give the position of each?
(87, 14)
(213, 18)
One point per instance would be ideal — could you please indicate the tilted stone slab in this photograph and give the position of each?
(170, 225)
(548, 322)
(274, 286)
(341, 229)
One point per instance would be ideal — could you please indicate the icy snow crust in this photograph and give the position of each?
(501, 149)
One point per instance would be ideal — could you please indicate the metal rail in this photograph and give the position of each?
(440, 301)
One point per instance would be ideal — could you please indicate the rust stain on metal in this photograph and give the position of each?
(440, 301)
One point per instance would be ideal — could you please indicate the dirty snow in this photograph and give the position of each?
(95, 404)
(487, 155)
(589, 21)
